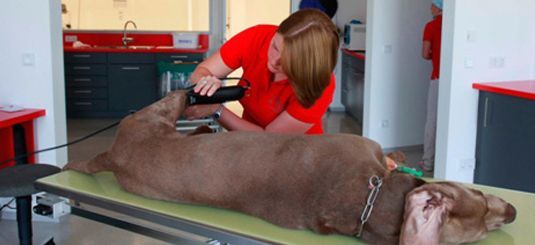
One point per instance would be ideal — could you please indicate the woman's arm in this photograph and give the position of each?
(215, 67)
(206, 75)
(211, 66)
(426, 50)
(205, 78)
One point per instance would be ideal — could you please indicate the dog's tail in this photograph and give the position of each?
(99, 163)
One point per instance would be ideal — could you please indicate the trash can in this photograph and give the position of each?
(175, 76)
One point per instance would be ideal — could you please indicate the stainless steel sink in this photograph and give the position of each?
(139, 46)
(145, 47)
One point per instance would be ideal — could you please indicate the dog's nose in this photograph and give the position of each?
(510, 214)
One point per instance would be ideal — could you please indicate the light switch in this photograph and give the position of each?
(500, 62)
(28, 59)
(468, 63)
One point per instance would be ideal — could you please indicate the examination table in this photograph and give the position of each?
(101, 195)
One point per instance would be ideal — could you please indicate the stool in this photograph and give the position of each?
(17, 181)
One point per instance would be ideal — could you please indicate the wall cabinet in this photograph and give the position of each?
(353, 86)
(112, 84)
(505, 142)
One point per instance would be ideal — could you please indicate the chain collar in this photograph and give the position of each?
(375, 184)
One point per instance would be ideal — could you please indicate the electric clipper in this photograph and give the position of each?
(222, 95)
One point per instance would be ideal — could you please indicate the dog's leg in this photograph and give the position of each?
(99, 163)
(201, 130)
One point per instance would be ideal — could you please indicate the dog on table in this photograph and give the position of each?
(320, 183)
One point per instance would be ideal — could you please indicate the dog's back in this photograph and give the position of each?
(290, 180)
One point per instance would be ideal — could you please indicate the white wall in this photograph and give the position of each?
(397, 77)
(34, 27)
(350, 9)
(496, 28)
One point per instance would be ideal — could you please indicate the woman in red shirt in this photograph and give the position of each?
(290, 70)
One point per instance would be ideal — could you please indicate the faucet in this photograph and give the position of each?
(126, 39)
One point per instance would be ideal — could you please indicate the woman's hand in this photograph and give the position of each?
(200, 111)
(207, 85)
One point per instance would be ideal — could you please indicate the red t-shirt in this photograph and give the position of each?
(266, 99)
(433, 34)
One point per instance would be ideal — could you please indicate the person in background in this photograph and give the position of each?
(431, 51)
(329, 7)
(290, 70)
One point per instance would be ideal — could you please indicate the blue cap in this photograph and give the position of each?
(311, 4)
(437, 3)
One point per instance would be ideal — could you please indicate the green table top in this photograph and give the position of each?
(105, 187)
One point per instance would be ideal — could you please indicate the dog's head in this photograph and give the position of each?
(451, 213)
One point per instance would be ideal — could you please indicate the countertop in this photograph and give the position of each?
(142, 42)
(135, 49)
(521, 89)
(16, 117)
(103, 186)
(358, 54)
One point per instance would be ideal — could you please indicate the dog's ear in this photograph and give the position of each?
(390, 164)
(425, 212)
(397, 156)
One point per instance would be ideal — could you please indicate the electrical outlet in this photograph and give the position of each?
(466, 164)
(496, 62)
(51, 206)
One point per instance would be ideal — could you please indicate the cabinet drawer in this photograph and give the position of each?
(85, 69)
(86, 81)
(85, 57)
(87, 93)
(132, 72)
(87, 105)
(179, 57)
(122, 58)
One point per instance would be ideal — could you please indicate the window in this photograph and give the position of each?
(154, 15)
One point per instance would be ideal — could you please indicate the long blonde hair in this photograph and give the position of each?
(309, 53)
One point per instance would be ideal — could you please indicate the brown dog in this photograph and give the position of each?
(296, 181)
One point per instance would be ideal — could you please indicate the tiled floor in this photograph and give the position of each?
(77, 230)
